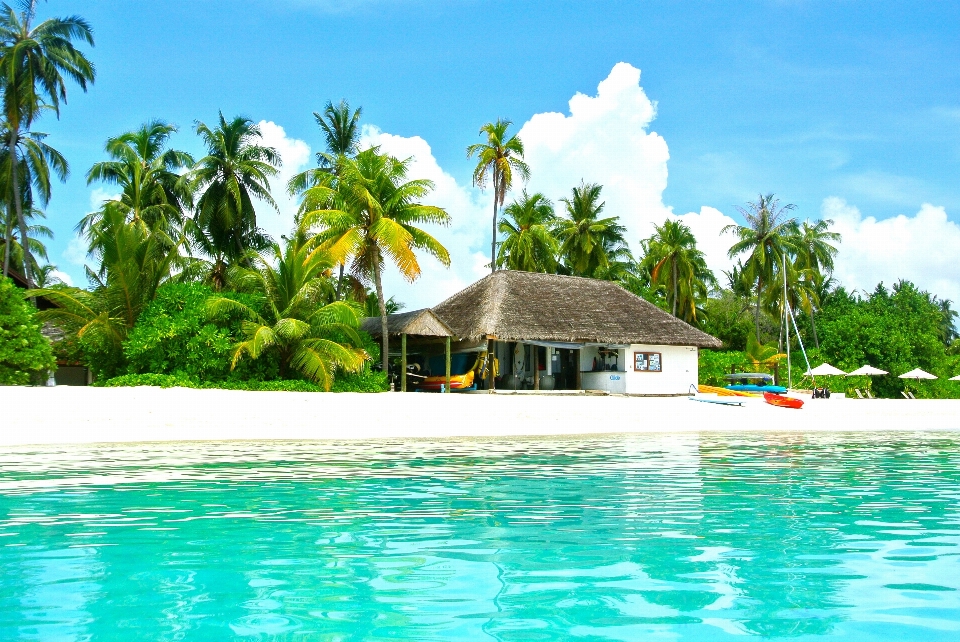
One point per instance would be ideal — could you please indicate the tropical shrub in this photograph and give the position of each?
(25, 354)
(368, 381)
(135, 261)
(362, 382)
(715, 364)
(295, 325)
(175, 336)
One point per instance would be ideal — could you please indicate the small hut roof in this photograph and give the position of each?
(422, 323)
(524, 306)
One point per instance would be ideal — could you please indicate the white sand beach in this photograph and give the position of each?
(64, 415)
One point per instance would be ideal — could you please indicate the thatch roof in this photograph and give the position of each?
(422, 323)
(525, 306)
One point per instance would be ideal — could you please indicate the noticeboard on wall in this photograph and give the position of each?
(647, 362)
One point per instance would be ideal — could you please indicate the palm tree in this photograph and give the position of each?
(341, 132)
(236, 170)
(33, 63)
(814, 258)
(762, 356)
(13, 251)
(766, 238)
(149, 175)
(310, 336)
(371, 305)
(529, 244)
(379, 211)
(34, 161)
(45, 277)
(674, 260)
(134, 261)
(497, 160)
(589, 245)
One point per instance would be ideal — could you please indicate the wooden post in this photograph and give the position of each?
(536, 367)
(447, 389)
(491, 385)
(403, 362)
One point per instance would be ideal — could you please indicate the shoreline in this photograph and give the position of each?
(85, 415)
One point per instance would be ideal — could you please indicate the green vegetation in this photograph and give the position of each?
(372, 218)
(174, 336)
(675, 263)
(25, 355)
(529, 243)
(895, 330)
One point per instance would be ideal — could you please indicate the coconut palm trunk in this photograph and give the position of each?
(493, 239)
(756, 314)
(18, 208)
(8, 241)
(674, 286)
(385, 354)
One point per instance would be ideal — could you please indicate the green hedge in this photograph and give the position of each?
(366, 382)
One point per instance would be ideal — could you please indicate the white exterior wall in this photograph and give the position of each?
(680, 370)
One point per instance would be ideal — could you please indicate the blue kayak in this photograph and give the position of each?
(749, 387)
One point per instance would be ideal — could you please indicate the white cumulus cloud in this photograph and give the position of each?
(63, 276)
(922, 248)
(605, 139)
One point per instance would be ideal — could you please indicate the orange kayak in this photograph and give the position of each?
(780, 400)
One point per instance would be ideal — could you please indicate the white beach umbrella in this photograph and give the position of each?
(957, 378)
(866, 370)
(917, 374)
(825, 369)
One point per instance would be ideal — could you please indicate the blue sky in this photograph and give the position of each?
(847, 109)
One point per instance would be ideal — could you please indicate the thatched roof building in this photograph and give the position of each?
(423, 323)
(524, 306)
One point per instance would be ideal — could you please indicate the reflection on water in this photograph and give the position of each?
(602, 538)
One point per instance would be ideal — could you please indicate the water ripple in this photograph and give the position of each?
(688, 537)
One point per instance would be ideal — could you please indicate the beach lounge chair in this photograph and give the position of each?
(859, 394)
(905, 395)
(869, 396)
(910, 394)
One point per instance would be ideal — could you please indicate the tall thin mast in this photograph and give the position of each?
(786, 320)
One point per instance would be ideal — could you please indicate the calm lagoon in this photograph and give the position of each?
(691, 537)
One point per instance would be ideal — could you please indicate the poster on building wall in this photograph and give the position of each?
(647, 362)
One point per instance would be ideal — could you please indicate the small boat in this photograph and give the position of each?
(783, 402)
(753, 382)
(724, 392)
(749, 387)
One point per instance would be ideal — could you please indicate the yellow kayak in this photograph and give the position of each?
(724, 392)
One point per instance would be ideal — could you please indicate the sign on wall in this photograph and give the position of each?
(647, 362)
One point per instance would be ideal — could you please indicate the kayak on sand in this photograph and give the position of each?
(782, 401)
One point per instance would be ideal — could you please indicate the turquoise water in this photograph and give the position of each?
(613, 538)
